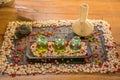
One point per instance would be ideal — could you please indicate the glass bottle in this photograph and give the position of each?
(42, 44)
(59, 45)
(75, 43)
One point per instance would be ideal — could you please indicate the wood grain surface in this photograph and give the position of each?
(108, 10)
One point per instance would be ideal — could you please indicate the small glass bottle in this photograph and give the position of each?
(42, 44)
(59, 45)
(75, 43)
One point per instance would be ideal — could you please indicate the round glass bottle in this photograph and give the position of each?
(75, 43)
(42, 44)
(59, 45)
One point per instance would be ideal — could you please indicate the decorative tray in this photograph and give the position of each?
(66, 33)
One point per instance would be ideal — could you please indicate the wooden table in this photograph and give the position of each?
(7, 14)
(108, 10)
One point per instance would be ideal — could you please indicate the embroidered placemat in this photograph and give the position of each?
(19, 57)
